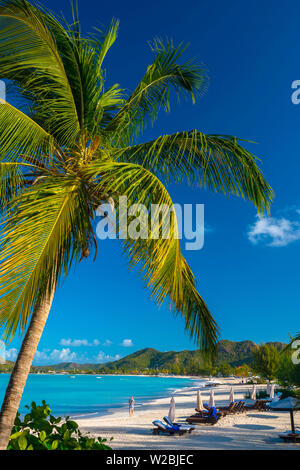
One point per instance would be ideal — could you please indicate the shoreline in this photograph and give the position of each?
(249, 430)
(107, 409)
(191, 377)
(114, 411)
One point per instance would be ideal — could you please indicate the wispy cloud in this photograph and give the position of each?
(107, 342)
(76, 343)
(56, 355)
(102, 357)
(11, 354)
(275, 231)
(127, 343)
(45, 356)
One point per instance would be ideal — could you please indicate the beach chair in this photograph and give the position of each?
(240, 407)
(219, 412)
(202, 412)
(161, 428)
(288, 436)
(211, 418)
(271, 402)
(228, 409)
(259, 405)
(184, 427)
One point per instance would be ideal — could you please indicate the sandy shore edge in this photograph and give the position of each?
(250, 430)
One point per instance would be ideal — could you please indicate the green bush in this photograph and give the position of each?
(266, 359)
(260, 394)
(257, 381)
(42, 431)
(288, 393)
(288, 374)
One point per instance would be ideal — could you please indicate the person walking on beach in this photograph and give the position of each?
(131, 406)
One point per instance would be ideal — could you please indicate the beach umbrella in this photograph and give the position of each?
(171, 414)
(272, 391)
(231, 396)
(288, 404)
(268, 387)
(253, 393)
(200, 406)
(211, 399)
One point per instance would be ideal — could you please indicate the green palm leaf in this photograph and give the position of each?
(217, 163)
(163, 268)
(11, 181)
(153, 92)
(77, 147)
(29, 56)
(19, 134)
(107, 39)
(43, 230)
(288, 347)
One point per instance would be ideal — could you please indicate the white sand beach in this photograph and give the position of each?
(249, 430)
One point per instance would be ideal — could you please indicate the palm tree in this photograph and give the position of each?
(72, 145)
(292, 343)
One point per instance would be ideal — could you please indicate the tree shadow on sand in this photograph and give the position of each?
(263, 416)
(257, 427)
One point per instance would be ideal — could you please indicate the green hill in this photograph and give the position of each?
(231, 352)
(234, 353)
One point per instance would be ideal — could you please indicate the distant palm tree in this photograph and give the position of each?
(72, 147)
(292, 341)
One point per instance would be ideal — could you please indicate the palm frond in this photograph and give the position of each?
(82, 59)
(11, 181)
(107, 39)
(108, 102)
(30, 58)
(153, 92)
(215, 162)
(288, 347)
(160, 262)
(19, 134)
(44, 229)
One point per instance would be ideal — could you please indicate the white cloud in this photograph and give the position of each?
(77, 343)
(54, 356)
(274, 231)
(102, 357)
(107, 342)
(127, 343)
(11, 354)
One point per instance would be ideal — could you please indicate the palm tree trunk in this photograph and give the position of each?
(21, 369)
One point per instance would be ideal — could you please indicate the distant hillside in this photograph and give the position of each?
(234, 353)
(71, 366)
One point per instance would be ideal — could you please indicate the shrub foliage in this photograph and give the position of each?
(40, 430)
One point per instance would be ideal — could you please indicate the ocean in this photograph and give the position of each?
(75, 395)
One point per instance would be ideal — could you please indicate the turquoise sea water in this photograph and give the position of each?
(87, 394)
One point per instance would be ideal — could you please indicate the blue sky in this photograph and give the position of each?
(248, 270)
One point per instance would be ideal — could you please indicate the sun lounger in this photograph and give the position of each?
(211, 418)
(290, 437)
(228, 409)
(161, 428)
(275, 400)
(258, 405)
(209, 409)
(202, 412)
(184, 427)
(240, 407)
